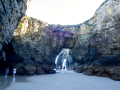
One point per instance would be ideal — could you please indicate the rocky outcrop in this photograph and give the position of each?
(36, 44)
(10, 14)
(97, 49)
(109, 71)
(94, 44)
(11, 11)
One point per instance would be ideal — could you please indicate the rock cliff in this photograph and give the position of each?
(11, 12)
(36, 44)
(97, 49)
(94, 44)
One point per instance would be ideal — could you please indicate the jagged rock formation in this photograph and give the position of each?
(10, 14)
(97, 49)
(94, 44)
(11, 11)
(39, 43)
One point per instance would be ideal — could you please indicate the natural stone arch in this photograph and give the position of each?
(64, 54)
(39, 43)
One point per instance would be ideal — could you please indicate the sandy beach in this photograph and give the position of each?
(62, 80)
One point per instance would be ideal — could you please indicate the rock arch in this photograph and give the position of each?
(64, 54)
(94, 44)
(39, 43)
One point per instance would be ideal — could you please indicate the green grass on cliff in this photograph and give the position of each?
(94, 25)
(87, 22)
(91, 36)
(28, 17)
(80, 37)
(21, 24)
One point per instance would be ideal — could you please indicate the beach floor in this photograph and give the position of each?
(62, 80)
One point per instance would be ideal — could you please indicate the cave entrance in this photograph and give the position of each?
(64, 60)
(4, 65)
(6, 59)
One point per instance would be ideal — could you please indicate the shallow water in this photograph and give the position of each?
(7, 81)
(62, 80)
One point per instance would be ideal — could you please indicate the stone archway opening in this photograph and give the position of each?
(64, 60)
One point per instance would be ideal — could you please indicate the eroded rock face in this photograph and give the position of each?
(35, 44)
(11, 11)
(99, 42)
(94, 44)
(100, 34)
(10, 14)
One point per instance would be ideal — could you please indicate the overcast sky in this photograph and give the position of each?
(64, 12)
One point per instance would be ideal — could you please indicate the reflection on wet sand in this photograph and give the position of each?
(6, 81)
(13, 79)
(64, 80)
(3, 82)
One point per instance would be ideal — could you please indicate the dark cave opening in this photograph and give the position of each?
(7, 62)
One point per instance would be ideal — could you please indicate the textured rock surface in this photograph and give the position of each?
(35, 44)
(10, 14)
(11, 11)
(98, 48)
(94, 44)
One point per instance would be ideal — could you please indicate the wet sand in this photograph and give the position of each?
(62, 80)
(7, 81)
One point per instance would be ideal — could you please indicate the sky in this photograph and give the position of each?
(64, 12)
